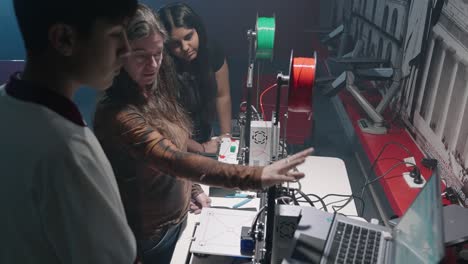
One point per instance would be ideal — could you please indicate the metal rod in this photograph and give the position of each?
(375, 198)
(270, 222)
(257, 88)
(278, 101)
(248, 119)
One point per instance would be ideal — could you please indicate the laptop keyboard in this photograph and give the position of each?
(355, 244)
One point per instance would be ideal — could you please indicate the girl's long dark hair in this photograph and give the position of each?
(161, 108)
(177, 15)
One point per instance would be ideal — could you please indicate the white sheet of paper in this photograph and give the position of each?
(220, 231)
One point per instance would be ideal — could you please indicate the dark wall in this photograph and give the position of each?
(326, 13)
(228, 22)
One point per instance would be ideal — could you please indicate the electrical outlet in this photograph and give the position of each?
(410, 181)
(410, 160)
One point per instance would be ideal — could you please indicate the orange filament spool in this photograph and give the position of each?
(301, 83)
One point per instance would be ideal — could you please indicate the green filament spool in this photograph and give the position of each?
(265, 37)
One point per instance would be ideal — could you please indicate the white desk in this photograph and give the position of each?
(324, 175)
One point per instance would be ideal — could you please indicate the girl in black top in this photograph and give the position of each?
(203, 74)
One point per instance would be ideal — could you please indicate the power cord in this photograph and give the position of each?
(292, 193)
(377, 158)
(306, 197)
(351, 197)
(415, 172)
(383, 175)
(335, 202)
(384, 147)
(348, 199)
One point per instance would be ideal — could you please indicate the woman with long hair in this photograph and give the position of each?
(144, 132)
(203, 73)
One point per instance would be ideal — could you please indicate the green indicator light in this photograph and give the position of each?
(233, 149)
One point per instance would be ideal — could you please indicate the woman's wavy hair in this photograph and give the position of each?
(180, 15)
(161, 109)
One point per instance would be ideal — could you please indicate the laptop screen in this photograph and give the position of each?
(419, 234)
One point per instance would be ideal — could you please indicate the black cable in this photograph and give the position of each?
(254, 222)
(371, 168)
(337, 208)
(306, 198)
(384, 147)
(310, 201)
(294, 199)
(283, 192)
(350, 198)
(360, 198)
(335, 202)
(383, 175)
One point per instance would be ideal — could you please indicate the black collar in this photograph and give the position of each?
(31, 92)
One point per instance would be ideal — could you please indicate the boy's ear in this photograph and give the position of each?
(62, 38)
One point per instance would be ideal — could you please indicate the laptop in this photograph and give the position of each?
(417, 238)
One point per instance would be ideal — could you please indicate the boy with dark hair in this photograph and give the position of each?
(58, 194)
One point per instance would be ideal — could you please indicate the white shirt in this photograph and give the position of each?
(59, 199)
